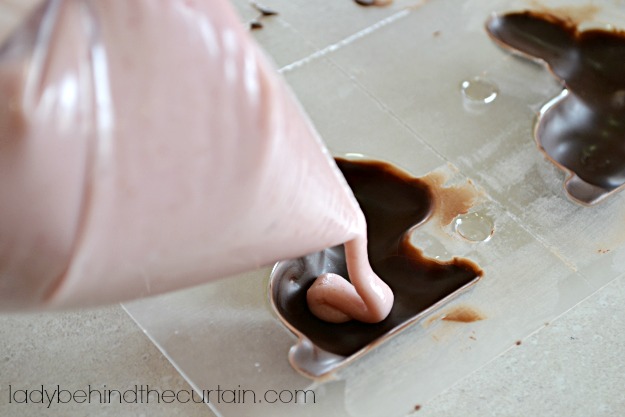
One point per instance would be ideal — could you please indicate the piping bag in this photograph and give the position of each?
(148, 146)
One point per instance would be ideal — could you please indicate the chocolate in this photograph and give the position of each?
(373, 2)
(264, 10)
(463, 314)
(393, 203)
(583, 130)
(255, 24)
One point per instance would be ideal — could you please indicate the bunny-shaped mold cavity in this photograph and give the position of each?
(394, 204)
(582, 130)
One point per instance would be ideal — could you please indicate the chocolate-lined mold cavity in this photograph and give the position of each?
(395, 205)
(582, 130)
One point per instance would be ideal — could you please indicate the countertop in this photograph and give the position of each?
(572, 365)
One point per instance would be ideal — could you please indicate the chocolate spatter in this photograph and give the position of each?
(255, 24)
(264, 10)
(582, 130)
(463, 314)
(373, 2)
(393, 203)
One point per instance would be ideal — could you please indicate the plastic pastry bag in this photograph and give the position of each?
(148, 146)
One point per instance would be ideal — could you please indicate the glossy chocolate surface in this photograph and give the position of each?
(582, 130)
(393, 203)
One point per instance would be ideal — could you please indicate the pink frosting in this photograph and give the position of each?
(367, 298)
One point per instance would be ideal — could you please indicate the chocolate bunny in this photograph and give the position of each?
(583, 129)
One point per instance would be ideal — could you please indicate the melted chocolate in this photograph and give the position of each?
(264, 10)
(255, 24)
(583, 131)
(373, 2)
(393, 203)
(463, 314)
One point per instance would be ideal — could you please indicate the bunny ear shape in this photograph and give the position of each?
(540, 36)
(603, 58)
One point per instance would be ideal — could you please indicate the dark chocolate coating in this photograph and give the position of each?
(584, 131)
(393, 203)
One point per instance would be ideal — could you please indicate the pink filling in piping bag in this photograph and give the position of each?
(148, 146)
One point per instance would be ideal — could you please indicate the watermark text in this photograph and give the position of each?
(50, 396)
